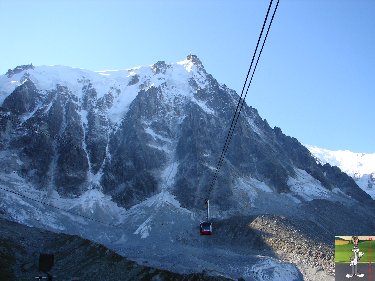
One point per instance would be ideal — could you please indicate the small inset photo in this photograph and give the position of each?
(354, 258)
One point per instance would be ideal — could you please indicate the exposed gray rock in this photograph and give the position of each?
(19, 69)
(23, 99)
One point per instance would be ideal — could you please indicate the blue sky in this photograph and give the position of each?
(315, 79)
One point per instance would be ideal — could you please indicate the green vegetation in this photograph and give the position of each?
(344, 252)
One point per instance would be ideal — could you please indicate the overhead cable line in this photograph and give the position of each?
(241, 100)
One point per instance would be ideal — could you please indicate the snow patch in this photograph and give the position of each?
(28, 115)
(168, 175)
(307, 186)
(160, 147)
(254, 127)
(250, 187)
(367, 183)
(145, 228)
(156, 136)
(203, 106)
(187, 64)
(94, 202)
(161, 199)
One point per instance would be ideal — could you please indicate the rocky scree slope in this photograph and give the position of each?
(20, 247)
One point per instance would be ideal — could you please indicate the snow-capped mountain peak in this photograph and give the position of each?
(46, 76)
(180, 79)
(190, 62)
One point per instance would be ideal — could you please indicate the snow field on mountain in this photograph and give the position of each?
(307, 187)
(254, 195)
(367, 183)
(249, 188)
(168, 175)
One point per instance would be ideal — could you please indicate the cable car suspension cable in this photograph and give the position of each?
(241, 100)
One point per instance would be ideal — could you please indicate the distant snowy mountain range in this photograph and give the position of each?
(360, 166)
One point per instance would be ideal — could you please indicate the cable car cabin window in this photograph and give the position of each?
(206, 228)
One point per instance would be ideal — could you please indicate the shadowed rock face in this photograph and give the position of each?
(23, 99)
(67, 141)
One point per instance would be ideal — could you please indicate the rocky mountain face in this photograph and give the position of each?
(137, 149)
(68, 139)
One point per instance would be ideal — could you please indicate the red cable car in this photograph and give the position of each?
(206, 226)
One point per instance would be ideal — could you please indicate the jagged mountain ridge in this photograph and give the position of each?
(120, 130)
